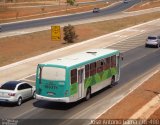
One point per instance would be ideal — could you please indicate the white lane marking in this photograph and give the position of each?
(142, 31)
(143, 11)
(135, 60)
(29, 110)
(121, 40)
(28, 76)
(133, 88)
(121, 36)
(27, 80)
(136, 30)
(145, 4)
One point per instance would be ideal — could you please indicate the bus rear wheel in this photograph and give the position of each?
(112, 81)
(88, 94)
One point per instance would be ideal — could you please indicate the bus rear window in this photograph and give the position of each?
(53, 73)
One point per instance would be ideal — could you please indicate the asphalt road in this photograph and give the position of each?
(68, 18)
(136, 62)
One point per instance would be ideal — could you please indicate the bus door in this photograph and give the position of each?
(118, 65)
(80, 82)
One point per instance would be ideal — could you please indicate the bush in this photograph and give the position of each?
(69, 34)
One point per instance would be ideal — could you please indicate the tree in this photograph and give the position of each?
(70, 2)
(69, 34)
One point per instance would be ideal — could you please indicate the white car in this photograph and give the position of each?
(96, 10)
(153, 41)
(125, 1)
(16, 92)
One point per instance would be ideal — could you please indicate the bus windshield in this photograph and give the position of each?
(52, 73)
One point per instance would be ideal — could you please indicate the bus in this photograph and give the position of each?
(77, 76)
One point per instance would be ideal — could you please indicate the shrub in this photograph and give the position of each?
(69, 34)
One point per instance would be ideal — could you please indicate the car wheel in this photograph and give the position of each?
(88, 94)
(19, 102)
(146, 45)
(158, 45)
(34, 95)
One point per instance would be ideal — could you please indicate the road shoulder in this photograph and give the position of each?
(131, 106)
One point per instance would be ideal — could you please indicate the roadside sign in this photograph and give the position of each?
(55, 33)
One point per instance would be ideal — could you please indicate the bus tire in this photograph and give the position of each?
(112, 81)
(88, 94)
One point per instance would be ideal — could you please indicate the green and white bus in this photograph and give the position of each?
(77, 76)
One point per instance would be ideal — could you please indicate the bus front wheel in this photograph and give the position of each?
(88, 94)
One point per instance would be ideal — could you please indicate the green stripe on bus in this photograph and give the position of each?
(74, 88)
(99, 77)
(113, 71)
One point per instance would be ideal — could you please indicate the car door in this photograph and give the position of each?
(21, 91)
(28, 90)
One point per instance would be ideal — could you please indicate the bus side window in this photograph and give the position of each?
(107, 63)
(113, 61)
(86, 71)
(100, 66)
(73, 76)
(92, 68)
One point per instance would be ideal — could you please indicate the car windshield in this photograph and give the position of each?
(152, 37)
(9, 86)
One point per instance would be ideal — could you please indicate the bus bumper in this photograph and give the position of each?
(64, 99)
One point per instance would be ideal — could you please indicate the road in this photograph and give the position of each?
(68, 18)
(137, 61)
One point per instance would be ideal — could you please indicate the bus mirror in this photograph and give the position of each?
(121, 56)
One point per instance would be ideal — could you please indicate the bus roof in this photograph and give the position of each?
(81, 58)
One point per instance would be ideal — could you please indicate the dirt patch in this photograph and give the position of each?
(135, 100)
(17, 48)
(156, 115)
(147, 4)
